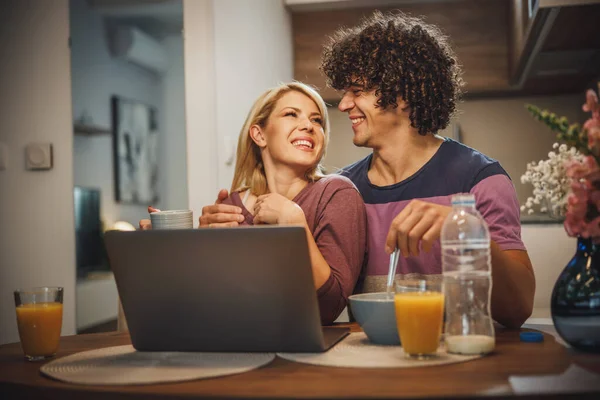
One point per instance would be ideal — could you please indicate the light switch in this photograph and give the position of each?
(38, 156)
(3, 157)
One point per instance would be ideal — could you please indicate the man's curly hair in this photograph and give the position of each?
(398, 56)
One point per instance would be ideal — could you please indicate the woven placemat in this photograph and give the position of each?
(123, 365)
(356, 351)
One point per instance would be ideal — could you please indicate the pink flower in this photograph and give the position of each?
(594, 198)
(592, 129)
(588, 169)
(591, 101)
(591, 105)
(582, 217)
(592, 123)
(575, 223)
(583, 193)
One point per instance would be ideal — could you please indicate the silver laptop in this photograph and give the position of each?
(246, 289)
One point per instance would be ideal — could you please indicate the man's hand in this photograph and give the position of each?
(419, 222)
(221, 215)
(145, 224)
(274, 208)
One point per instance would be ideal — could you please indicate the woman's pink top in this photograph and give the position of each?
(337, 219)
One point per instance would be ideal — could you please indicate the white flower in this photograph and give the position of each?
(549, 180)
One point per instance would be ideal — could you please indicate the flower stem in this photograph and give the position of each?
(571, 134)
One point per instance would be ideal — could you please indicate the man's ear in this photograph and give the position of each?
(257, 136)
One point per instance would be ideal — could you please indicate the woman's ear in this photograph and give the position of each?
(257, 136)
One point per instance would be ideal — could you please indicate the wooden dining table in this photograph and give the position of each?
(486, 377)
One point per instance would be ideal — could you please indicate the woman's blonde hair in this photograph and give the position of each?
(249, 169)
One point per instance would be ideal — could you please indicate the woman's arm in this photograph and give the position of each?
(336, 244)
(337, 249)
(320, 268)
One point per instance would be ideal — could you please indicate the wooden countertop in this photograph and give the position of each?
(481, 378)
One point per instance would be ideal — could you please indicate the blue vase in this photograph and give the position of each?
(576, 299)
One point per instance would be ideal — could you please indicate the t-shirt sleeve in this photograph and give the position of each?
(341, 236)
(497, 202)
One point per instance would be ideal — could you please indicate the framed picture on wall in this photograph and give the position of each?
(135, 151)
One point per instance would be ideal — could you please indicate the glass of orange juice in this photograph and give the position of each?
(419, 308)
(39, 318)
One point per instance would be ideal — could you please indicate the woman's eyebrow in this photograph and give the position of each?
(299, 110)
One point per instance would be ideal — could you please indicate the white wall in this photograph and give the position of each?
(253, 51)
(96, 76)
(234, 50)
(200, 109)
(550, 249)
(173, 173)
(503, 129)
(37, 233)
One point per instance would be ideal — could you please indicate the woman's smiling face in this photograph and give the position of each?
(293, 135)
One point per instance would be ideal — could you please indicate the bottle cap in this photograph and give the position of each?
(531, 337)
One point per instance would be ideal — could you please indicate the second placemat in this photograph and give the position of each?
(355, 351)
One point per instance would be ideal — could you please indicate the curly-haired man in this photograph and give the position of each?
(401, 83)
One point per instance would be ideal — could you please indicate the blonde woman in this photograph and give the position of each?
(278, 180)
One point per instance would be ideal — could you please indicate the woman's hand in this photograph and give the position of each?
(274, 208)
(221, 215)
(145, 224)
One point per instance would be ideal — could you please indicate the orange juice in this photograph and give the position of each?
(39, 328)
(419, 317)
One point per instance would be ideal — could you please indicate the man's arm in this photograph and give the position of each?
(420, 224)
(513, 279)
(513, 286)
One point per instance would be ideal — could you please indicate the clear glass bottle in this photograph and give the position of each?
(466, 267)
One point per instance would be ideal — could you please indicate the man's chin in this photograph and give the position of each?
(359, 142)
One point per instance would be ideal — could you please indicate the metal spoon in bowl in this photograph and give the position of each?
(392, 272)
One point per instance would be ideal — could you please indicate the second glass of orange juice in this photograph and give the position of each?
(39, 319)
(419, 314)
